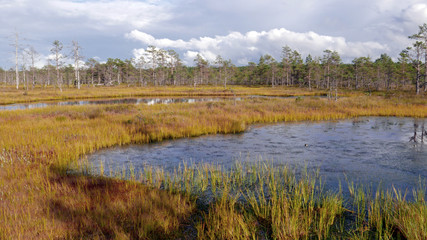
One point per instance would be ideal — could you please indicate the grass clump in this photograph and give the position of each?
(265, 201)
(253, 201)
(386, 214)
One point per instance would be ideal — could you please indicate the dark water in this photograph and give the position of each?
(366, 150)
(148, 101)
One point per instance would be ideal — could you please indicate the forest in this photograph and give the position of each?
(158, 67)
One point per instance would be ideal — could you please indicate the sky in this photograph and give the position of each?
(239, 30)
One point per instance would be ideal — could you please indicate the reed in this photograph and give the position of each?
(387, 214)
(265, 201)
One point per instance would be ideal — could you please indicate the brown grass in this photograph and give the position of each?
(10, 95)
(40, 200)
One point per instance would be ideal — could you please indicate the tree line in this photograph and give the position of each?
(160, 67)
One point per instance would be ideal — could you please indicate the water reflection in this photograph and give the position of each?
(148, 101)
(367, 150)
(423, 133)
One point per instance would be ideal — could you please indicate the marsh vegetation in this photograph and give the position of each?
(42, 198)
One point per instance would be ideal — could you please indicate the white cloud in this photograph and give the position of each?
(251, 45)
(78, 16)
(189, 56)
(415, 14)
(114, 12)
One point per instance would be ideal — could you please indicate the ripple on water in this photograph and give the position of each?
(372, 150)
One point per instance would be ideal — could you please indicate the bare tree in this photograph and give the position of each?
(33, 56)
(24, 60)
(48, 66)
(16, 45)
(58, 57)
(77, 58)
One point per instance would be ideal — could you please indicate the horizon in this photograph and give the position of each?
(241, 31)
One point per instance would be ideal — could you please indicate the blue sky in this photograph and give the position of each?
(240, 30)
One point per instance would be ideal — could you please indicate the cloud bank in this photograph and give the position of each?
(244, 47)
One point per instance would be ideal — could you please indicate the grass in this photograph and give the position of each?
(264, 201)
(386, 214)
(40, 199)
(9, 95)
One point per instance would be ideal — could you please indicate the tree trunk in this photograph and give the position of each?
(16, 60)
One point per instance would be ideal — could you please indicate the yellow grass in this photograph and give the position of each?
(10, 94)
(39, 199)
